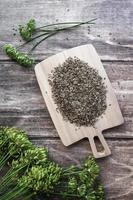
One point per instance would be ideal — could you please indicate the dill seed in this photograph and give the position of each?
(78, 91)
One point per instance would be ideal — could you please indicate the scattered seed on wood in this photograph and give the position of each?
(78, 91)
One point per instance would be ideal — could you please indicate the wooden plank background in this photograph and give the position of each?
(21, 102)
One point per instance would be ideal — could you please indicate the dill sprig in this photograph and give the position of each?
(31, 172)
(21, 58)
(27, 30)
(40, 178)
(30, 32)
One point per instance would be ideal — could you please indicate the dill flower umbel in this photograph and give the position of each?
(19, 57)
(27, 30)
(31, 172)
(29, 33)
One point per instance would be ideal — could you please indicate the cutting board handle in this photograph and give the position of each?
(106, 151)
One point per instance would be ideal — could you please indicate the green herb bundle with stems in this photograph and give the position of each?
(13, 142)
(32, 156)
(81, 183)
(30, 32)
(21, 154)
(31, 172)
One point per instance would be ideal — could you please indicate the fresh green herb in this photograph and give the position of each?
(81, 182)
(27, 30)
(19, 57)
(30, 32)
(31, 172)
(30, 28)
(12, 143)
(41, 178)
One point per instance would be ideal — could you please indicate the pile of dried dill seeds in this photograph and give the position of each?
(78, 91)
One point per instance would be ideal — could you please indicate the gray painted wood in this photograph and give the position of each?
(22, 105)
(111, 35)
(116, 170)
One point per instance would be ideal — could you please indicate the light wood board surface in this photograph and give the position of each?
(68, 132)
(21, 102)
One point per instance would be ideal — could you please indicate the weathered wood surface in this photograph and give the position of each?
(111, 35)
(22, 105)
(116, 170)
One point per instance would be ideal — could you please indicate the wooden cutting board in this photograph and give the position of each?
(68, 132)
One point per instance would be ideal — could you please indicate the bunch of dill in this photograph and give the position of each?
(31, 172)
(30, 33)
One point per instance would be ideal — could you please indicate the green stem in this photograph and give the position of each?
(53, 32)
(18, 194)
(4, 157)
(4, 160)
(14, 193)
(67, 28)
(41, 41)
(55, 24)
(28, 166)
(68, 194)
(65, 23)
(7, 180)
(70, 169)
(5, 176)
(27, 197)
(3, 143)
(38, 36)
(68, 174)
(4, 197)
(61, 29)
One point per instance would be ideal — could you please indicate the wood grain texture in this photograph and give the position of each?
(111, 35)
(22, 105)
(116, 170)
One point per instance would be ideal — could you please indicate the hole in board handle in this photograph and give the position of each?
(98, 144)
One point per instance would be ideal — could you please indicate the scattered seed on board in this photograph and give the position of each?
(78, 91)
